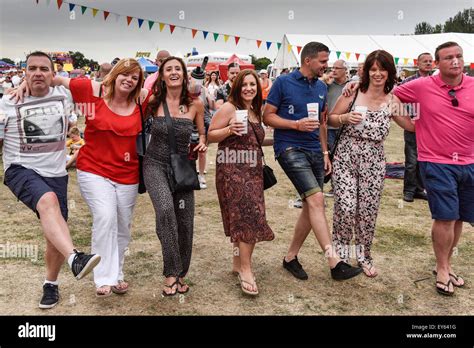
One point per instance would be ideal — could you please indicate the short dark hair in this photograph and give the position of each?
(385, 61)
(444, 45)
(40, 54)
(422, 54)
(60, 63)
(311, 49)
(233, 65)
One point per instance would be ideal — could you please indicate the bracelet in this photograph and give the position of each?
(325, 152)
(297, 124)
(229, 131)
(340, 119)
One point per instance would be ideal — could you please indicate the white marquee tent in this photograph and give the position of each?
(354, 48)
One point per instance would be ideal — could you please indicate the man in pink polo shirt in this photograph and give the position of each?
(150, 80)
(445, 138)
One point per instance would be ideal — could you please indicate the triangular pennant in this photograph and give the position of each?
(298, 48)
(150, 24)
(162, 25)
(129, 19)
(216, 35)
(106, 14)
(172, 28)
(357, 56)
(396, 60)
(94, 12)
(405, 61)
(71, 6)
(237, 40)
(226, 37)
(259, 42)
(194, 31)
(37, 1)
(60, 3)
(268, 44)
(140, 22)
(348, 54)
(338, 54)
(415, 62)
(205, 34)
(83, 9)
(289, 48)
(278, 45)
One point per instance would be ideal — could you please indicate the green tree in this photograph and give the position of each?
(423, 28)
(8, 60)
(260, 63)
(438, 29)
(80, 61)
(462, 22)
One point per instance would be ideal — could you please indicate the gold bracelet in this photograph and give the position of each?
(229, 131)
(340, 119)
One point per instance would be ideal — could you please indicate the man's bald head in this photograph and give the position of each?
(104, 69)
(161, 56)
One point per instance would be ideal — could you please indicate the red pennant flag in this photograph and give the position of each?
(129, 19)
(357, 56)
(60, 3)
(237, 40)
(415, 62)
(172, 28)
(298, 48)
(37, 2)
(194, 32)
(259, 42)
(106, 14)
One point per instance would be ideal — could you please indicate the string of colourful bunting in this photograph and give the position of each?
(194, 31)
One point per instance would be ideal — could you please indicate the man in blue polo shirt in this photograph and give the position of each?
(300, 144)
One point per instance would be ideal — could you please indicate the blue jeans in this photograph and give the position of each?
(304, 168)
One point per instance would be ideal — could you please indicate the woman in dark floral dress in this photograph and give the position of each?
(239, 176)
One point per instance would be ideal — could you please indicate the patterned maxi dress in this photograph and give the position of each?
(239, 183)
(358, 179)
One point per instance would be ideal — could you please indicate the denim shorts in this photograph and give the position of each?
(28, 186)
(304, 168)
(450, 190)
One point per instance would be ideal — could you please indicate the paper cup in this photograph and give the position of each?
(242, 116)
(362, 110)
(313, 110)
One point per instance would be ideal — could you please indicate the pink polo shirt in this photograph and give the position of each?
(444, 133)
(150, 81)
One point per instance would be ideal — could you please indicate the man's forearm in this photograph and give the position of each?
(323, 137)
(275, 121)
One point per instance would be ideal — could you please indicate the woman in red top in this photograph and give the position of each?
(107, 166)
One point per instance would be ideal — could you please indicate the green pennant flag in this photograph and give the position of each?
(83, 9)
(150, 24)
(338, 53)
(396, 60)
(278, 45)
(216, 35)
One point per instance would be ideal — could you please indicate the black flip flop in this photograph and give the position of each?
(182, 284)
(164, 293)
(442, 291)
(456, 278)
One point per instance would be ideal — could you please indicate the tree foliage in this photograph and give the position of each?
(260, 63)
(462, 22)
(80, 61)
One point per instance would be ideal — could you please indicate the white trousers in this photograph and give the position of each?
(111, 205)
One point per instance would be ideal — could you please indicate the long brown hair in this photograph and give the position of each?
(386, 62)
(123, 66)
(160, 90)
(235, 96)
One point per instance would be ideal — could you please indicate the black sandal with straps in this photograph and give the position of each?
(164, 293)
(442, 291)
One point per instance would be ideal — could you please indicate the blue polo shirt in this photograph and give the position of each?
(290, 94)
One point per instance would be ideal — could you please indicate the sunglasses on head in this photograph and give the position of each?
(452, 94)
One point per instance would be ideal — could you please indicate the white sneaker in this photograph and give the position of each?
(202, 182)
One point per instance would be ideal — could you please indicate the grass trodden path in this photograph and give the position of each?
(402, 252)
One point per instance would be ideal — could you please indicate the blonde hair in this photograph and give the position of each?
(74, 131)
(123, 66)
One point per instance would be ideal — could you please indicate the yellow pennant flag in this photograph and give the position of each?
(289, 48)
(348, 54)
(226, 37)
(94, 11)
(162, 26)
(405, 61)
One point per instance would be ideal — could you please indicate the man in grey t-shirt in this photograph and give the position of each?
(34, 162)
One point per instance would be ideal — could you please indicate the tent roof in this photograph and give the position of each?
(405, 47)
(147, 65)
(2, 63)
(235, 59)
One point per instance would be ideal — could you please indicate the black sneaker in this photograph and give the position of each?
(421, 195)
(83, 264)
(408, 197)
(50, 296)
(344, 271)
(295, 268)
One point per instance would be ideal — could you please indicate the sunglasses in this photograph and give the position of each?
(454, 101)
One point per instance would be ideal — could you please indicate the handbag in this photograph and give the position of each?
(332, 151)
(269, 178)
(183, 176)
(142, 143)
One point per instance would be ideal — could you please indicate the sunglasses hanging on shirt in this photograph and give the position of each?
(452, 94)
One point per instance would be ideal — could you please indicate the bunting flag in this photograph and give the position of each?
(140, 22)
(237, 40)
(129, 19)
(338, 54)
(83, 9)
(71, 7)
(396, 60)
(226, 37)
(290, 47)
(150, 24)
(216, 35)
(106, 14)
(194, 31)
(162, 25)
(357, 56)
(278, 45)
(94, 12)
(172, 28)
(205, 34)
(348, 55)
(259, 42)
(60, 3)
(298, 48)
(37, 2)
(415, 62)
(405, 61)
(269, 43)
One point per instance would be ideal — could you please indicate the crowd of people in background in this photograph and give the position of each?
(306, 109)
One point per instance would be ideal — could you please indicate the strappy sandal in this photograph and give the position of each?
(164, 293)
(442, 291)
(182, 284)
(457, 278)
(244, 290)
(103, 294)
(120, 289)
(367, 267)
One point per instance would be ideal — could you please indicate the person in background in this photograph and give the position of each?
(61, 72)
(213, 84)
(104, 70)
(160, 58)
(223, 92)
(72, 146)
(266, 84)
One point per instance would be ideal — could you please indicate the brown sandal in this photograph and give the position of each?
(120, 288)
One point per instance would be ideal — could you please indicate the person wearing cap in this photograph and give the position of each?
(266, 84)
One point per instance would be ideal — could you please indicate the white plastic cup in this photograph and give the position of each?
(362, 109)
(242, 116)
(313, 110)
